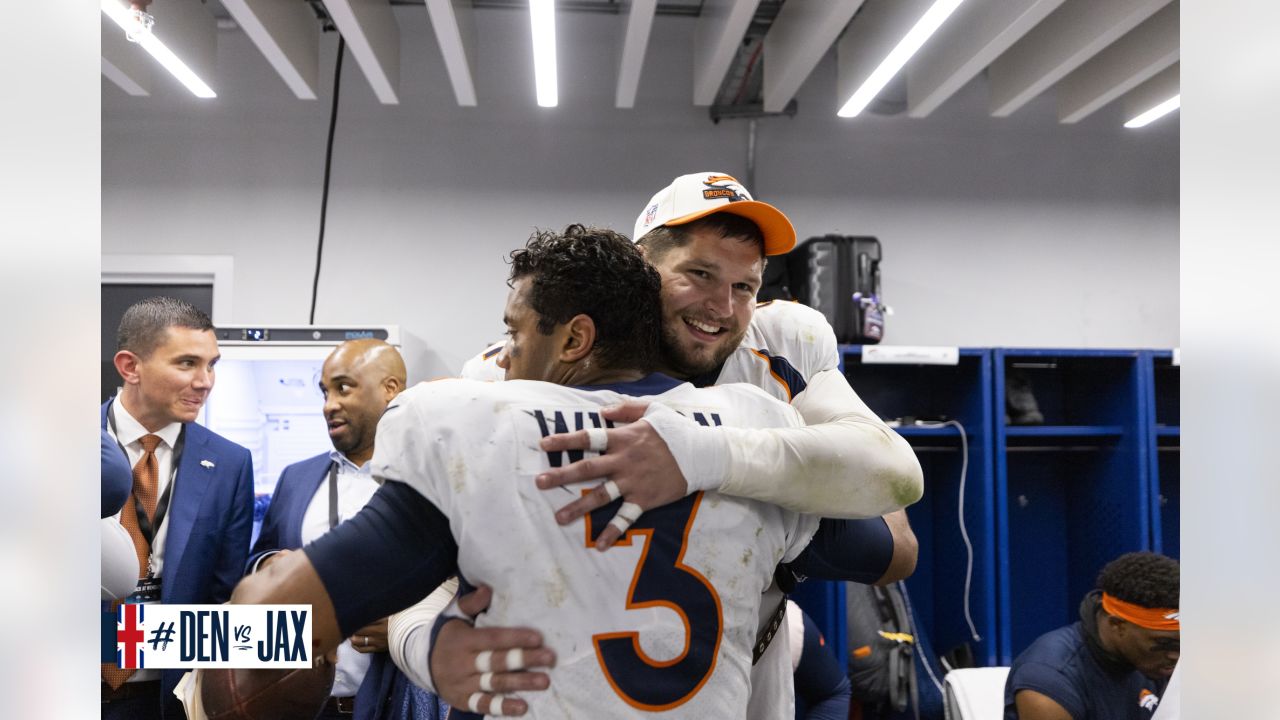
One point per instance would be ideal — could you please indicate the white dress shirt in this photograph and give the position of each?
(355, 486)
(129, 432)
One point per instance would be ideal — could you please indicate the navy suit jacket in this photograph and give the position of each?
(209, 522)
(380, 694)
(282, 525)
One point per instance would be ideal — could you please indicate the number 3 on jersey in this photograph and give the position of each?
(661, 579)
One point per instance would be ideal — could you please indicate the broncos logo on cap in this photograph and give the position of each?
(724, 187)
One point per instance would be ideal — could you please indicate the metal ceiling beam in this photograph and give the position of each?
(454, 24)
(123, 62)
(373, 37)
(716, 40)
(978, 32)
(800, 36)
(287, 33)
(1122, 66)
(1162, 87)
(880, 28)
(190, 32)
(635, 41)
(1061, 43)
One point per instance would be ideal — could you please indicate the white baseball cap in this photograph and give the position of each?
(694, 196)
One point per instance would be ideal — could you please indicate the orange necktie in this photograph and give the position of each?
(146, 479)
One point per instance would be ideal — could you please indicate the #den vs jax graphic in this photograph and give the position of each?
(137, 636)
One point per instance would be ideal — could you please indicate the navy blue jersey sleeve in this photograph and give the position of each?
(391, 554)
(1046, 680)
(853, 550)
(821, 687)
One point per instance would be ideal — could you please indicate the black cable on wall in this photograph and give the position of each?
(328, 164)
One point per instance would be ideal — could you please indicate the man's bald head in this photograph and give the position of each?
(376, 355)
(358, 380)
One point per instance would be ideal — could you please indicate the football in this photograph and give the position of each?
(266, 694)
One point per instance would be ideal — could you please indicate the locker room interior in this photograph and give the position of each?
(1030, 244)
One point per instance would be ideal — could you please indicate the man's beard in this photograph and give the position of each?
(684, 368)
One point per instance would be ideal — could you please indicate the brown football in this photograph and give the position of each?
(266, 694)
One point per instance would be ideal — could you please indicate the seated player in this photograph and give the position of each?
(1114, 662)
(663, 623)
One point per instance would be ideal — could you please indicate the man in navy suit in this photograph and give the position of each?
(190, 511)
(358, 379)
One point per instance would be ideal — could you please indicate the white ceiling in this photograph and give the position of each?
(750, 56)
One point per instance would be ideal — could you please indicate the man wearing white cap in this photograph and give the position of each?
(708, 238)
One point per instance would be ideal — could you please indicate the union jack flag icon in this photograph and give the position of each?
(129, 636)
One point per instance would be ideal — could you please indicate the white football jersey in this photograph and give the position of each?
(664, 622)
(786, 344)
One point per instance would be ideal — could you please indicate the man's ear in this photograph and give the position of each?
(391, 387)
(579, 339)
(127, 366)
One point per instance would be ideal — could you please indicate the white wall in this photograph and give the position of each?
(1016, 231)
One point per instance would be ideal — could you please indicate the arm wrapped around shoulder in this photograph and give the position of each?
(409, 634)
(846, 463)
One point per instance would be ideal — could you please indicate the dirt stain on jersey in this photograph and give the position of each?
(458, 474)
(556, 590)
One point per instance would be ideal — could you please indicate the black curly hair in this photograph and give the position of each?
(1142, 578)
(599, 273)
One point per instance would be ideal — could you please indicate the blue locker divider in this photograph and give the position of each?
(962, 393)
(1072, 493)
(1163, 446)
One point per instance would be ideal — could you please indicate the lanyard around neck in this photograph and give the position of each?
(333, 494)
(150, 526)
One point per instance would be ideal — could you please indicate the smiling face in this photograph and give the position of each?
(709, 289)
(171, 383)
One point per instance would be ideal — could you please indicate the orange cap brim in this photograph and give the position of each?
(779, 235)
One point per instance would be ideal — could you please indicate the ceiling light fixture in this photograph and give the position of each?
(1156, 112)
(137, 24)
(893, 62)
(542, 16)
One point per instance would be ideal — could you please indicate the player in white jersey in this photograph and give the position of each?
(665, 622)
(849, 465)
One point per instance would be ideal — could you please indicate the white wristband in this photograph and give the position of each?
(701, 452)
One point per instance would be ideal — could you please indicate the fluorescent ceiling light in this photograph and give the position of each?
(124, 18)
(542, 16)
(1156, 112)
(915, 37)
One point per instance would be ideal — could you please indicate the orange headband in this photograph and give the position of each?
(1149, 618)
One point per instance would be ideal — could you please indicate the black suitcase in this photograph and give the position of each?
(839, 276)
